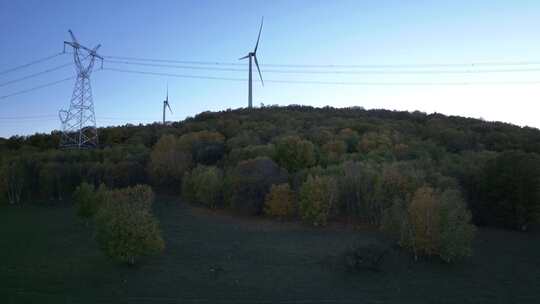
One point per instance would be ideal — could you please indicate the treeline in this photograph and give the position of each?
(315, 164)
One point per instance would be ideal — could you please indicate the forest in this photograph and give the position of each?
(427, 180)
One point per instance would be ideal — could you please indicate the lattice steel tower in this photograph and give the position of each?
(79, 122)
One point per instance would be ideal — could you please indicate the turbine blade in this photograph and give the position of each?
(259, 37)
(168, 106)
(258, 69)
(247, 56)
(96, 48)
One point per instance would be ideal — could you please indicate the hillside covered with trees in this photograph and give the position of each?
(422, 178)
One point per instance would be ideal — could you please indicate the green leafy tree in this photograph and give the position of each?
(204, 185)
(126, 229)
(351, 139)
(359, 187)
(88, 199)
(510, 190)
(457, 232)
(206, 147)
(14, 176)
(250, 181)
(294, 153)
(318, 195)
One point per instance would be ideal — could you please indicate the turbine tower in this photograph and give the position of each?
(253, 56)
(79, 121)
(166, 104)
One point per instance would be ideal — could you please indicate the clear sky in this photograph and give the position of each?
(295, 32)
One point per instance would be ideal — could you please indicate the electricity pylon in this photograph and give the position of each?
(79, 122)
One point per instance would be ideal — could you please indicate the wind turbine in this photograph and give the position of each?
(166, 104)
(250, 56)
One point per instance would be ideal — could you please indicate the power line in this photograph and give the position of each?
(175, 61)
(364, 72)
(347, 83)
(51, 117)
(26, 117)
(29, 64)
(37, 87)
(174, 75)
(35, 74)
(344, 66)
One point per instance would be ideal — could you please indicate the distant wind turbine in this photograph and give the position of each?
(253, 55)
(166, 104)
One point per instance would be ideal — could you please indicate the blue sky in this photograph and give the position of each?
(295, 32)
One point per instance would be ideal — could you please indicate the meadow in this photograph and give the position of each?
(49, 256)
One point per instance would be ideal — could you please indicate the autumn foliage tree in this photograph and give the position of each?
(280, 202)
(168, 161)
(432, 224)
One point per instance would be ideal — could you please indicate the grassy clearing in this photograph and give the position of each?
(48, 256)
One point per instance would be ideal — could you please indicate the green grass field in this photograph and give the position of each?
(48, 256)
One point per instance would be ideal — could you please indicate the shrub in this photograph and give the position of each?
(204, 185)
(362, 257)
(317, 197)
(250, 181)
(280, 201)
(125, 226)
(88, 200)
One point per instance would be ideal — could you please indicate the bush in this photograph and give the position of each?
(204, 185)
(250, 181)
(318, 195)
(88, 200)
(125, 226)
(362, 257)
(280, 202)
